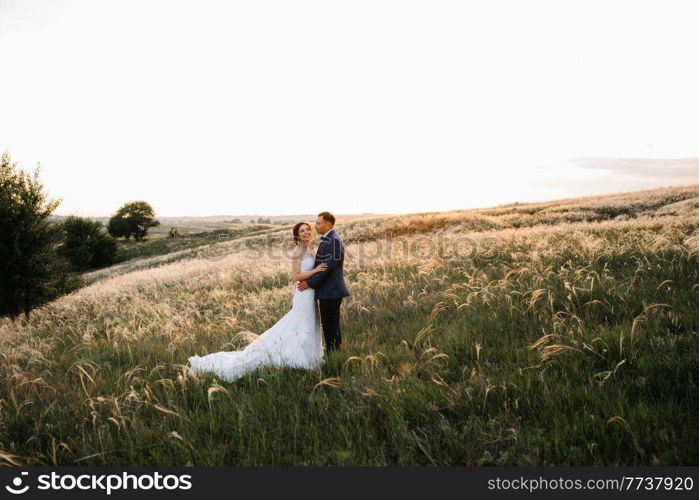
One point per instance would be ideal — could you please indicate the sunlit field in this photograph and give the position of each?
(558, 333)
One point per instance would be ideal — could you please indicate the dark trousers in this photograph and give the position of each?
(330, 319)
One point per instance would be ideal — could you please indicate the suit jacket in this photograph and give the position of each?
(330, 284)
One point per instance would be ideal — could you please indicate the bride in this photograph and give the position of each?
(294, 341)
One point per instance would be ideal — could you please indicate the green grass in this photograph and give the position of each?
(562, 346)
(131, 249)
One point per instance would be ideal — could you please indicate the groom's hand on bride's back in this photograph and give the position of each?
(302, 285)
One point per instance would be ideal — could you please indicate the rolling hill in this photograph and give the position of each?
(556, 333)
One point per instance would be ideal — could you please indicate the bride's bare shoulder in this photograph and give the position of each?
(298, 253)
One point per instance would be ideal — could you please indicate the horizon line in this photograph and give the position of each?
(694, 184)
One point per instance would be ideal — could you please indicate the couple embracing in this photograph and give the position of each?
(295, 340)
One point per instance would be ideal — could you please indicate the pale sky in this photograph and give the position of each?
(283, 107)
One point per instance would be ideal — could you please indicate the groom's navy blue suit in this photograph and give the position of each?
(330, 287)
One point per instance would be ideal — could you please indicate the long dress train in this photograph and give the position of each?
(294, 341)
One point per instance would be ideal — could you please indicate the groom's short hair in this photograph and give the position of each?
(328, 217)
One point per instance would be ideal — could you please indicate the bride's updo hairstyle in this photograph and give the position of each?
(298, 225)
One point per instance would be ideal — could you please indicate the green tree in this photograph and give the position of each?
(86, 245)
(31, 272)
(132, 219)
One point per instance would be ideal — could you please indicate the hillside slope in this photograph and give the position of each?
(556, 333)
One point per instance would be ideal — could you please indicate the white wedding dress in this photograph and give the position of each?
(294, 341)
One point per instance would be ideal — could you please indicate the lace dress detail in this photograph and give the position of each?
(294, 341)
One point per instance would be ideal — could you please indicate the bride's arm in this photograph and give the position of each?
(296, 269)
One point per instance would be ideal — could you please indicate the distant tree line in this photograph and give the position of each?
(261, 220)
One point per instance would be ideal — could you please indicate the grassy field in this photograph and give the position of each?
(559, 333)
(161, 244)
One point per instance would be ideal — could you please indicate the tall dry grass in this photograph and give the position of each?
(509, 335)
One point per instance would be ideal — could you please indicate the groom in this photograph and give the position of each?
(329, 285)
